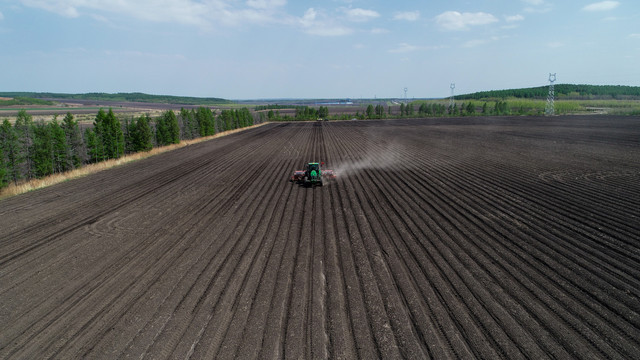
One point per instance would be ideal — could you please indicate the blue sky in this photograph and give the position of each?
(248, 49)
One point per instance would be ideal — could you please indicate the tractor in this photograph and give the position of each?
(312, 175)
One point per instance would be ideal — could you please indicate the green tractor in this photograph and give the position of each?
(312, 175)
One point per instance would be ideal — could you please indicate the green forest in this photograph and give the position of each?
(34, 149)
(125, 97)
(23, 101)
(566, 91)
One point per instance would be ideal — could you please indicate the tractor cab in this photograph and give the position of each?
(313, 175)
(313, 170)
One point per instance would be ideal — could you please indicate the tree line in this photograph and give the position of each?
(561, 90)
(34, 149)
(301, 113)
(21, 101)
(379, 111)
(124, 97)
(436, 109)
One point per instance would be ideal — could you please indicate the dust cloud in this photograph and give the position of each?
(378, 158)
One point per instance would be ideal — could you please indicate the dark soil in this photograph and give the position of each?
(442, 238)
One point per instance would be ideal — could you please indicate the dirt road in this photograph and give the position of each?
(477, 237)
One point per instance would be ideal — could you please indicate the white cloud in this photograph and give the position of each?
(329, 31)
(453, 20)
(312, 25)
(478, 42)
(601, 6)
(377, 31)
(407, 15)
(514, 18)
(404, 48)
(474, 43)
(204, 14)
(541, 10)
(266, 4)
(1, 16)
(64, 8)
(309, 17)
(634, 36)
(360, 15)
(537, 6)
(555, 44)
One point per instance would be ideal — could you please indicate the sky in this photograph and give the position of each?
(270, 49)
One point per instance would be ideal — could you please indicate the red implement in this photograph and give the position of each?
(298, 175)
(329, 174)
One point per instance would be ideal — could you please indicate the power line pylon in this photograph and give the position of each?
(451, 100)
(550, 108)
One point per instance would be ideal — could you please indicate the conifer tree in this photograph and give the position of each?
(370, 111)
(115, 147)
(161, 132)
(247, 118)
(42, 150)
(323, 112)
(3, 170)
(193, 120)
(227, 120)
(75, 148)
(187, 126)
(237, 119)
(99, 130)
(471, 108)
(60, 147)
(172, 127)
(11, 146)
(100, 133)
(143, 134)
(129, 133)
(205, 120)
(94, 146)
(24, 132)
(108, 130)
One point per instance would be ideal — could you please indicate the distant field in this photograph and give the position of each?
(518, 106)
(50, 108)
(85, 109)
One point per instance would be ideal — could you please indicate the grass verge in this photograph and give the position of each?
(34, 184)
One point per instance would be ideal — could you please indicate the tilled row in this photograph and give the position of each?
(439, 239)
(480, 223)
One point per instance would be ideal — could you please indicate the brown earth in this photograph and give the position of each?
(442, 238)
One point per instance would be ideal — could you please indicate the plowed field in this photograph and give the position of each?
(446, 238)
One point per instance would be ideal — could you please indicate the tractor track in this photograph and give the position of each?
(445, 238)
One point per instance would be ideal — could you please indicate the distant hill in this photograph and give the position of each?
(123, 97)
(21, 100)
(562, 91)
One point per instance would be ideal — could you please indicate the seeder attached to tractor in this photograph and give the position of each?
(312, 175)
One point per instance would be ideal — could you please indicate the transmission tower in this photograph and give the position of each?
(405, 94)
(451, 101)
(550, 108)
